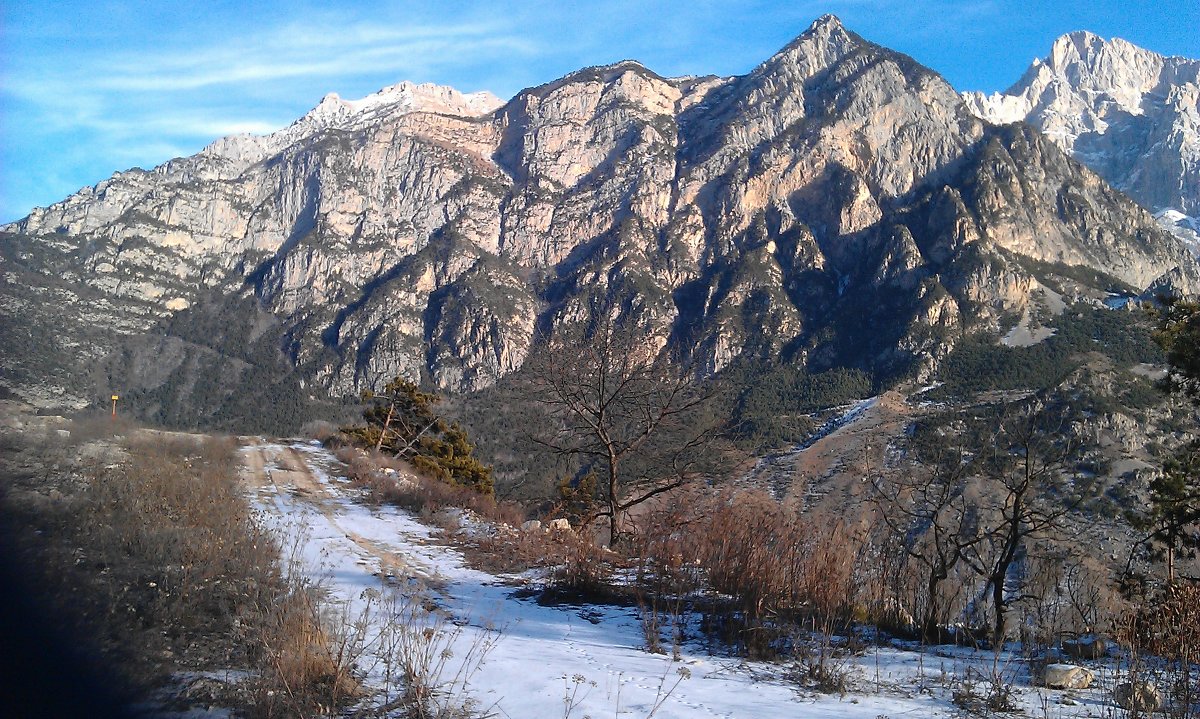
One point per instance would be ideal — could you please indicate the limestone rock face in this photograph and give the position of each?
(839, 204)
(1129, 114)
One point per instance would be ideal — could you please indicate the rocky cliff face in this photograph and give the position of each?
(1129, 114)
(838, 205)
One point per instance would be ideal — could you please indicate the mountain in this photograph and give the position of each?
(1129, 114)
(837, 206)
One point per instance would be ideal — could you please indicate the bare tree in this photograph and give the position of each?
(1025, 463)
(978, 495)
(927, 510)
(621, 409)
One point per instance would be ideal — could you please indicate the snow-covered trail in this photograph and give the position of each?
(540, 652)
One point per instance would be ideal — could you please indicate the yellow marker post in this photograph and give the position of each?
(114, 401)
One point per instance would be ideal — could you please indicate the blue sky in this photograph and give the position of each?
(88, 88)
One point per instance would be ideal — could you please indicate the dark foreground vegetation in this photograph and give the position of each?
(138, 557)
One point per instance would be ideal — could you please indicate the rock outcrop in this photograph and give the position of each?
(1066, 676)
(838, 205)
(1129, 114)
(1138, 696)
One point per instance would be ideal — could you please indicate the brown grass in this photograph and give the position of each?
(148, 552)
(755, 566)
(1166, 628)
(577, 564)
(403, 486)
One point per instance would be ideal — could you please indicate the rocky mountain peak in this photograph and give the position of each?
(597, 76)
(1118, 70)
(825, 41)
(426, 97)
(827, 20)
(335, 112)
(1130, 114)
(434, 234)
(1073, 47)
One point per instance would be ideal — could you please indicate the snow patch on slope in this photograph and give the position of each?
(1184, 227)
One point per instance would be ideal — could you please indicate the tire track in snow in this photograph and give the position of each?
(284, 468)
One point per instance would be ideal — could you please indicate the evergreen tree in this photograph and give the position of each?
(402, 420)
(1173, 520)
(1178, 333)
(1174, 517)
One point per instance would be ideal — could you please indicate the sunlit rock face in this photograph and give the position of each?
(837, 204)
(1129, 114)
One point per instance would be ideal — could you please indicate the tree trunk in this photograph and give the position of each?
(1008, 555)
(998, 603)
(386, 424)
(614, 506)
(929, 628)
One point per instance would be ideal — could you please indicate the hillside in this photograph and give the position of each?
(837, 207)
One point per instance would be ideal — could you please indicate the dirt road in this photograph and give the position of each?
(277, 468)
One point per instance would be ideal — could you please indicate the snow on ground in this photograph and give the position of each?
(769, 468)
(1024, 334)
(542, 653)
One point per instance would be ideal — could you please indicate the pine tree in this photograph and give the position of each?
(1173, 520)
(402, 420)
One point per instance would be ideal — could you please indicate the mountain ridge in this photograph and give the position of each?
(1130, 114)
(838, 205)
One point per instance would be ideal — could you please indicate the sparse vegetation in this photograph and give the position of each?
(402, 422)
(147, 552)
(391, 480)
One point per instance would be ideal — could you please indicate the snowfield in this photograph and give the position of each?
(577, 661)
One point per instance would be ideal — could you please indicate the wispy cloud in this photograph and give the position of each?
(291, 53)
(116, 106)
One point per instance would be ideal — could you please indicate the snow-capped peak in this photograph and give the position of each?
(1130, 114)
(411, 97)
(334, 112)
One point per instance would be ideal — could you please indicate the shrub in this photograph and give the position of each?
(319, 429)
(765, 567)
(149, 554)
(418, 493)
(402, 422)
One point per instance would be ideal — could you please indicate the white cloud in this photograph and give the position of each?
(292, 52)
(144, 106)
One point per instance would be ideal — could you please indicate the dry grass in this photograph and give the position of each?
(756, 568)
(1163, 636)
(150, 546)
(306, 663)
(319, 429)
(388, 480)
(576, 562)
(146, 551)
